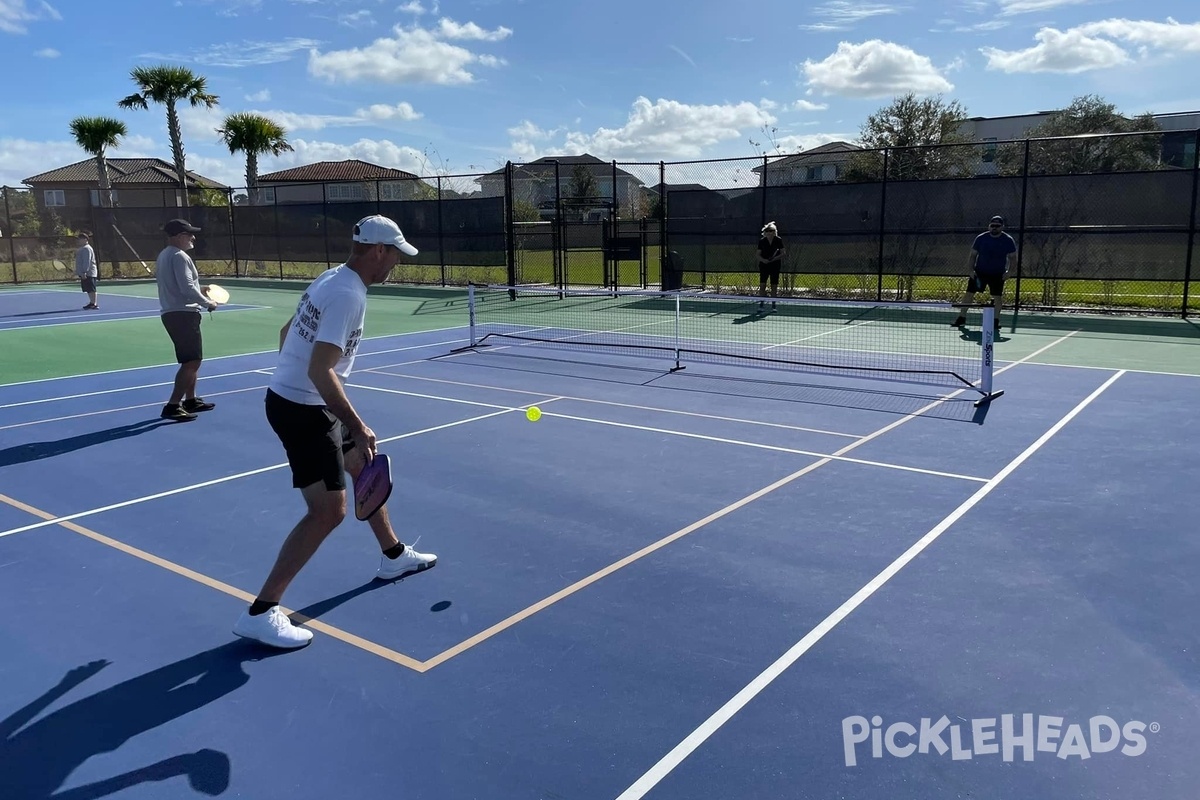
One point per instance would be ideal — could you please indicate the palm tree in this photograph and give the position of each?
(254, 135)
(168, 85)
(96, 135)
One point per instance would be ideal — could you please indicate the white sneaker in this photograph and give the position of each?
(272, 628)
(406, 563)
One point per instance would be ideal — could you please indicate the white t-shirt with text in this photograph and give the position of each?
(333, 309)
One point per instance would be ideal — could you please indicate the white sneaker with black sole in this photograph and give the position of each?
(407, 563)
(273, 629)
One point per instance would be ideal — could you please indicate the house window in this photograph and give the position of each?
(268, 195)
(391, 191)
(989, 150)
(814, 173)
(344, 191)
(55, 197)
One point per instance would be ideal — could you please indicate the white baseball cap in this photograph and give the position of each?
(381, 230)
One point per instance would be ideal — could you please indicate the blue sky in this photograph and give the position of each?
(460, 86)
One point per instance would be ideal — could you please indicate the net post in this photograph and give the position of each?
(471, 311)
(987, 356)
(678, 366)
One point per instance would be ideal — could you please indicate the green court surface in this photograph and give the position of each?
(1138, 343)
(48, 351)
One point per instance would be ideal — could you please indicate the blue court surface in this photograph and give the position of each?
(712, 583)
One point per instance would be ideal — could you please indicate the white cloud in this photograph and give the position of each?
(806, 105)
(663, 129)
(1011, 7)
(259, 97)
(239, 54)
(1170, 36)
(15, 15)
(1094, 45)
(682, 54)
(449, 29)
(376, 151)
(24, 158)
(381, 111)
(874, 69)
(1056, 51)
(799, 143)
(356, 19)
(842, 15)
(410, 55)
(414, 7)
(47, 52)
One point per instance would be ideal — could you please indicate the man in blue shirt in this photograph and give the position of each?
(990, 260)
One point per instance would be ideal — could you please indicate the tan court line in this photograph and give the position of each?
(499, 627)
(233, 591)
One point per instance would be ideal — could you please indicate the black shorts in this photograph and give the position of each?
(313, 438)
(993, 283)
(771, 271)
(88, 283)
(184, 329)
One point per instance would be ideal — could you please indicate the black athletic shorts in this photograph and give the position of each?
(770, 271)
(993, 283)
(184, 329)
(313, 438)
(88, 283)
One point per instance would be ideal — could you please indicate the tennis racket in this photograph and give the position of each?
(372, 487)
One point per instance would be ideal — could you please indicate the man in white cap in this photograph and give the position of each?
(322, 434)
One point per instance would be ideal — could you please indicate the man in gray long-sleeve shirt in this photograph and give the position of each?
(181, 300)
(85, 268)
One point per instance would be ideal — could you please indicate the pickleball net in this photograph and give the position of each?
(891, 341)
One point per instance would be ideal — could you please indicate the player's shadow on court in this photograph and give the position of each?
(36, 451)
(968, 335)
(38, 755)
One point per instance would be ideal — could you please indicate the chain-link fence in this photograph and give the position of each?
(1102, 222)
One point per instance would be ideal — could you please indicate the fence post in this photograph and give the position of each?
(762, 213)
(441, 231)
(1191, 245)
(882, 227)
(325, 218)
(233, 244)
(1021, 226)
(510, 228)
(12, 252)
(663, 248)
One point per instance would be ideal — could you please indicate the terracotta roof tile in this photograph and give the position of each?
(332, 171)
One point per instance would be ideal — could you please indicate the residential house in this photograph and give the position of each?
(349, 181)
(535, 183)
(1178, 142)
(74, 190)
(823, 164)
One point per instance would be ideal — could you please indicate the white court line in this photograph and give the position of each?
(272, 351)
(668, 432)
(224, 479)
(202, 378)
(380, 371)
(807, 469)
(706, 729)
(120, 389)
(840, 329)
(93, 319)
(155, 404)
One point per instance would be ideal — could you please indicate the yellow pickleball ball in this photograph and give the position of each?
(533, 413)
